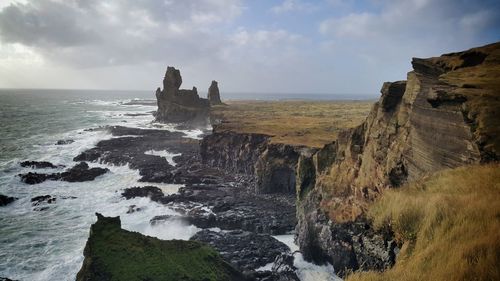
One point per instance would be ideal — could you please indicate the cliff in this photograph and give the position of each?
(177, 105)
(264, 139)
(112, 253)
(272, 166)
(444, 115)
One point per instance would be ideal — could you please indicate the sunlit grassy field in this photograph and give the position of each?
(310, 123)
(449, 225)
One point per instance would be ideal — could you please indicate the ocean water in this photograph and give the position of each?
(48, 245)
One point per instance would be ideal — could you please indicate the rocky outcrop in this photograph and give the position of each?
(213, 94)
(39, 165)
(179, 105)
(232, 206)
(419, 126)
(78, 173)
(272, 165)
(6, 200)
(246, 251)
(112, 253)
(152, 192)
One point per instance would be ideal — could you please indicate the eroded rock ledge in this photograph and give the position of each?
(272, 165)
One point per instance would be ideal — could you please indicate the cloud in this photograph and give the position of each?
(415, 18)
(92, 33)
(340, 46)
(395, 31)
(293, 6)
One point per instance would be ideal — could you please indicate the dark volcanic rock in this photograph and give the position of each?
(63, 142)
(6, 200)
(152, 192)
(245, 250)
(38, 164)
(78, 173)
(178, 105)
(348, 246)
(237, 207)
(34, 178)
(35, 201)
(81, 172)
(41, 202)
(213, 94)
(132, 151)
(282, 270)
(271, 165)
(133, 209)
(6, 279)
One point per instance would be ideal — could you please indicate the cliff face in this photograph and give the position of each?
(445, 115)
(179, 105)
(271, 165)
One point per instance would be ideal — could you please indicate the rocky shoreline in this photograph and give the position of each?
(210, 199)
(242, 188)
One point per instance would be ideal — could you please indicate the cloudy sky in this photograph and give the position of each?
(289, 46)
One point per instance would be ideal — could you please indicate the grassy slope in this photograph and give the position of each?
(311, 123)
(449, 224)
(116, 254)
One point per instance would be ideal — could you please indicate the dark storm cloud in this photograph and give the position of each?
(45, 23)
(93, 33)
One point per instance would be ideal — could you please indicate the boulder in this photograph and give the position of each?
(38, 164)
(6, 200)
(81, 172)
(35, 201)
(152, 192)
(78, 173)
(63, 142)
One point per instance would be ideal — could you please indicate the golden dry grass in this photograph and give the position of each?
(310, 123)
(449, 224)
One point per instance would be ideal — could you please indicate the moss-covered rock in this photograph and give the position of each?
(112, 253)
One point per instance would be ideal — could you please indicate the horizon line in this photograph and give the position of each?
(143, 90)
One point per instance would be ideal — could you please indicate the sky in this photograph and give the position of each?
(252, 46)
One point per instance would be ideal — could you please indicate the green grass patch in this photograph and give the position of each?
(115, 254)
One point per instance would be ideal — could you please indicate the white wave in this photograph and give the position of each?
(48, 245)
(307, 271)
(165, 154)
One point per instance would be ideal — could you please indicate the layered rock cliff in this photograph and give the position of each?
(177, 105)
(271, 165)
(445, 115)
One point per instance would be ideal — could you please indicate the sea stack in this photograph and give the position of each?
(182, 106)
(213, 94)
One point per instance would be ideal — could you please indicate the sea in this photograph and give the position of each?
(42, 245)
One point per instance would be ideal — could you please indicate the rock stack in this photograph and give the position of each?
(213, 94)
(183, 106)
